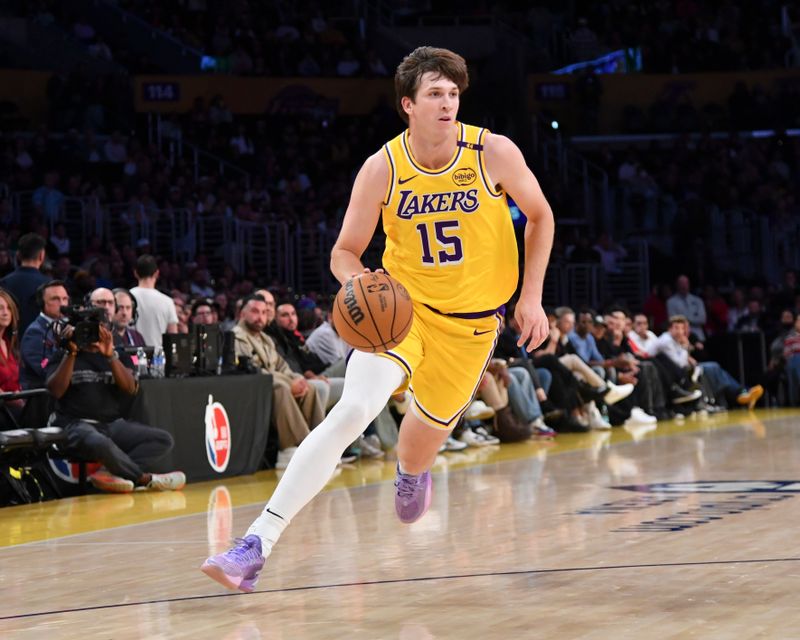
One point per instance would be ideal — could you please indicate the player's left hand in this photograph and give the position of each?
(532, 321)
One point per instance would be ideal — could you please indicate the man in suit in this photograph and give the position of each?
(26, 278)
(39, 341)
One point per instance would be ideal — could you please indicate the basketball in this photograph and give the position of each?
(372, 312)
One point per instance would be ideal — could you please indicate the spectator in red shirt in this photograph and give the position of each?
(9, 349)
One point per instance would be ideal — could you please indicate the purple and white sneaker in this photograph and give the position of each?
(413, 495)
(239, 566)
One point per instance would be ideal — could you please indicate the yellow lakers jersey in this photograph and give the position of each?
(449, 235)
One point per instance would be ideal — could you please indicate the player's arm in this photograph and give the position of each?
(360, 218)
(507, 167)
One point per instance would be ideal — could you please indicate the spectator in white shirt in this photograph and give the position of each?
(641, 336)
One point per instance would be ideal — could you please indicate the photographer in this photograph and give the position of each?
(91, 381)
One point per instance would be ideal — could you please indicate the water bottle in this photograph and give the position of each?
(157, 367)
(141, 359)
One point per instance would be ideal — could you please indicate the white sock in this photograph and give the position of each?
(369, 382)
(268, 526)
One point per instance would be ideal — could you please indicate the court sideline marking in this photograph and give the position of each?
(370, 583)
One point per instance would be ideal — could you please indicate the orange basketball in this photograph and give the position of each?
(372, 312)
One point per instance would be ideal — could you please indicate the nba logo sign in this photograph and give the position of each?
(218, 436)
(70, 471)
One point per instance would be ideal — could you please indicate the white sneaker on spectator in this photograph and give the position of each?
(696, 373)
(451, 444)
(596, 420)
(172, 481)
(478, 410)
(284, 455)
(472, 439)
(368, 449)
(481, 431)
(639, 416)
(617, 392)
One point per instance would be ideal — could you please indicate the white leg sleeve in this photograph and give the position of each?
(369, 382)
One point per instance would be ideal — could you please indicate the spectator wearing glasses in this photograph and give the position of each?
(103, 298)
(204, 312)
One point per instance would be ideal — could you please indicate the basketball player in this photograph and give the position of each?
(440, 188)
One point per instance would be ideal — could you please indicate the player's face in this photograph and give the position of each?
(436, 102)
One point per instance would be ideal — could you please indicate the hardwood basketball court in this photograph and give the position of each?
(688, 531)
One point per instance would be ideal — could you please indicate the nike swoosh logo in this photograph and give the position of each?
(480, 333)
(401, 181)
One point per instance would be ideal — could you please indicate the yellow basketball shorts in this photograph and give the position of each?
(444, 358)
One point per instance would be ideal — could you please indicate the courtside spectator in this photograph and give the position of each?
(39, 341)
(157, 314)
(296, 408)
(23, 282)
(9, 351)
(104, 299)
(124, 316)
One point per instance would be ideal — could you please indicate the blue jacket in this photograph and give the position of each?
(22, 284)
(37, 347)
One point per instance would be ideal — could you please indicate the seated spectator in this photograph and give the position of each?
(686, 304)
(291, 345)
(791, 355)
(59, 242)
(157, 314)
(25, 280)
(641, 337)
(125, 315)
(203, 312)
(47, 200)
(752, 319)
(296, 406)
(40, 341)
(92, 384)
(326, 344)
(673, 349)
(9, 350)
(103, 298)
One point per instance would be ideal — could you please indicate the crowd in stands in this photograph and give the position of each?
(675, 37)
(621, 367)
(327, 39)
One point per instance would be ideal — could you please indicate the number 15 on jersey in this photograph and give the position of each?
(447, 248)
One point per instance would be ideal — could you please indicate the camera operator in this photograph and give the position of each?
(91, 383)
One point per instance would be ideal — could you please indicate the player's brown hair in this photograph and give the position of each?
(420, 61)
